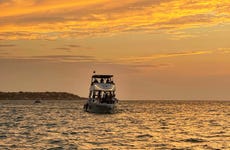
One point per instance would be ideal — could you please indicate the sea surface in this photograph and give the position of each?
(160, 125)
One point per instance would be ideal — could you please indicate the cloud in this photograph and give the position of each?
(66, 49)
(28, 35)
(73, 47)
(63, 57)
(196, 19)
(70, 47)
(136, 61)
(6, 49)
(4, 53)
(53, 58)
(141, 59)
(39, 19)
(150, 66)
(7, 45)
(223, 50)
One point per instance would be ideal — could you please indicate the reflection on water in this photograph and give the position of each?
(57, 125)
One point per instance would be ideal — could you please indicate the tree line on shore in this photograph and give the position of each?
(38, 96)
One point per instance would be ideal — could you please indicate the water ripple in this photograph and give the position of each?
(58, 125)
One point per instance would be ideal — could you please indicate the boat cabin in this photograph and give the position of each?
(102, 89)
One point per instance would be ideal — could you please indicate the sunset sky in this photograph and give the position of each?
(156, 49)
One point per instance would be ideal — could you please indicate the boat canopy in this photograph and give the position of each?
(102, 76)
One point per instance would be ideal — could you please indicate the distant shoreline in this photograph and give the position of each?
(39, 96)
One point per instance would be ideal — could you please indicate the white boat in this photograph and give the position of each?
(101, 95)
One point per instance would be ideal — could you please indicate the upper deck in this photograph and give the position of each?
(102, 82)
(108, 79)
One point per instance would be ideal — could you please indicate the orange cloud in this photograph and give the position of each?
(40, 19)
(52, 58)
(160, 56)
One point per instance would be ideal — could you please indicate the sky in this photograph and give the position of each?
(156, 49)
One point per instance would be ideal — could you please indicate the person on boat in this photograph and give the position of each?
(102, 80)
(94, 96)
(111, 98)
(108, 80)
(104, 98)
(95, 81)
(99, 96)
(111, 82)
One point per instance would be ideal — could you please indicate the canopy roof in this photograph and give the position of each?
(102, 76)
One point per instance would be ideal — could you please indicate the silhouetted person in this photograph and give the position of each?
(95, 81)
(107, 81)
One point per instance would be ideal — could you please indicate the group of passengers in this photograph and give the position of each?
(108, 80)
(105, 97)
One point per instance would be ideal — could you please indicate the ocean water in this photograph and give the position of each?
(63, 125)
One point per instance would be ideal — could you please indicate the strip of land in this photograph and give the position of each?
(39, 96)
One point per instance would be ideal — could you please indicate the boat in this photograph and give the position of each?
(101, 95)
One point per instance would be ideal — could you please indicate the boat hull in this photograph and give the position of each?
(99, 107)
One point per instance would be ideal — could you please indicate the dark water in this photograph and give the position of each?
(58, 125)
